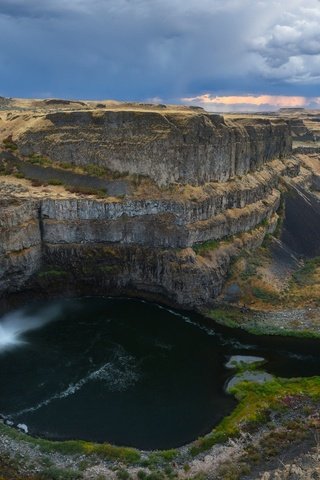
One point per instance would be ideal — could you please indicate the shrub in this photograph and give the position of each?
(88, 191)
(122, 474)
(95, 170)
(206, 246)
(37, 159)
(54, 473)
(265, 295)
(55, 181)
(9, 143)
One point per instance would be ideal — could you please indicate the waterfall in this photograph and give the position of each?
(14, 325)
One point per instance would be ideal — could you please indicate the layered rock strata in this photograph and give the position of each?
(165, 245)
(168, 147)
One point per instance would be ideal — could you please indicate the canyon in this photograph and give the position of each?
(186, 192)
(218, 215)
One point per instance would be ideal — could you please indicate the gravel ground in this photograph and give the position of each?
(297, 319)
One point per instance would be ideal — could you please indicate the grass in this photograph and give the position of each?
(123, 474)
(9, 144)
(54, 181)
(95, 170)
(280, 212)
(75, 447)
(255, 403)
(87, 191)
(37, 159)
(233, 318)
(5, 169)
(19, 175)
(160, 457)
(55, 473)
(91, 169)
(283, 332)
(265, 295)
(225, 316)
(202, 248)
(206, 246)
(304, 276)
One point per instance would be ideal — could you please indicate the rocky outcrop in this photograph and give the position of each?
(93, 246)
(178, 276)
(188, 148)
(174, 243)
(300, 131)
(20, 246)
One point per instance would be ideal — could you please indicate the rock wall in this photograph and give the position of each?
(188, 148)
(144, 246)
(90, 246)
(174, 276)
(20, 243)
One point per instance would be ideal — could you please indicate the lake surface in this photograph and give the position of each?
(126, 371)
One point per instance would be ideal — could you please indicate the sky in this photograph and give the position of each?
(223, 55)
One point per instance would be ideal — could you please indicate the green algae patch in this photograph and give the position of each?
(255, 403)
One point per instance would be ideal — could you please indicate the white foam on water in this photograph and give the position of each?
(118, 375)
(15, 324)
(209, 331)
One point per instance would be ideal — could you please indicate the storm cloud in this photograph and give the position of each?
(160, 49)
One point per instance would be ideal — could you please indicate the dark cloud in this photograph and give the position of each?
(36, 8)
(139, 49)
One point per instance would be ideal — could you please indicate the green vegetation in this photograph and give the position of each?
(52, 273)
(231, 470)
(37, 159)
(160, 457)
(201, 248)
(54, 181)
(123, 474)
(87, 191)
(210, 245)
(255, 403)
(5, 169)
(242, 366)
(280, 212)
(234, 318)
(95, 170)
(54, 473)
(253, 261)
(265, 295)
(230, 317)
(283, 332)
(9, 144)
(75, 447)
(303, 276)
(19, 175)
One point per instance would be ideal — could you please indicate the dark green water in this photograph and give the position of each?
(125, 371)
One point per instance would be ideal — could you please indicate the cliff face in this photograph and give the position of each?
(141, 247)
(20, 246)
(167, 147)
(42, 256)
(162, 244)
